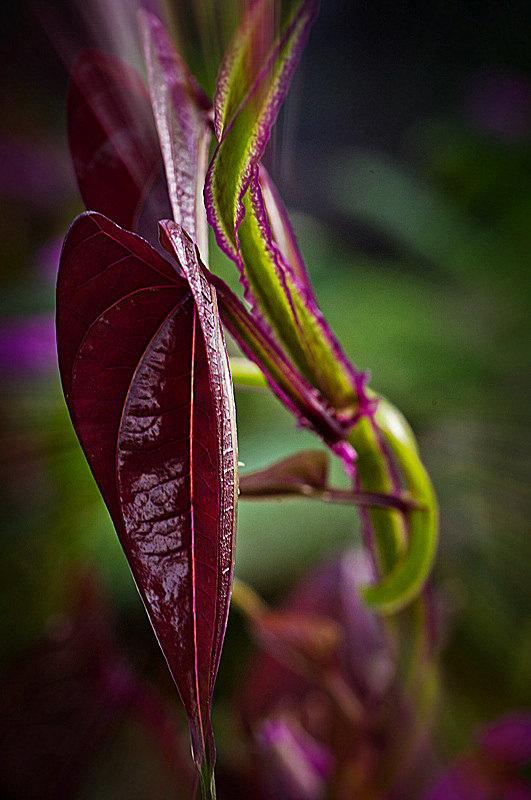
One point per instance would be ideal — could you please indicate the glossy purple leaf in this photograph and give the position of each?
(151, 405)
(175, 239)
(114, 145)
(183, 114)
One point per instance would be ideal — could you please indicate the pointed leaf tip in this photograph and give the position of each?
(253, 81)
(183, 115)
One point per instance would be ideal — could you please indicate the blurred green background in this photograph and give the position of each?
(404, 154)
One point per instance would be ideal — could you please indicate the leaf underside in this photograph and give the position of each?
(145, 404)
(114, 145)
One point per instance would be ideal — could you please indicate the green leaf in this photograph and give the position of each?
(252, 84)
(290, 309)
(297, 395)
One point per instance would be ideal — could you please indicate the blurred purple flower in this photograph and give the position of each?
(341, 702)
(27, 345)
(499, 102)
(492, 773)
(298, 765)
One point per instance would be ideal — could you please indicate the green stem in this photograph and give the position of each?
(375, 476)
(404, 563)
(246, 374)
(405, 539)
(208, 784)
(404, 581)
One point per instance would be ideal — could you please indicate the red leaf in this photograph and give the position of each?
(148, 390)
(175, 239)
(114, 144)
(183, 115)
(306, 474)
(303, 473)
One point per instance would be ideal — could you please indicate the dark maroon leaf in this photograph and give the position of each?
(302, 473)
(175, 239)
(114, 144)
(306, 474)
(183, 115)
(148, 399)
